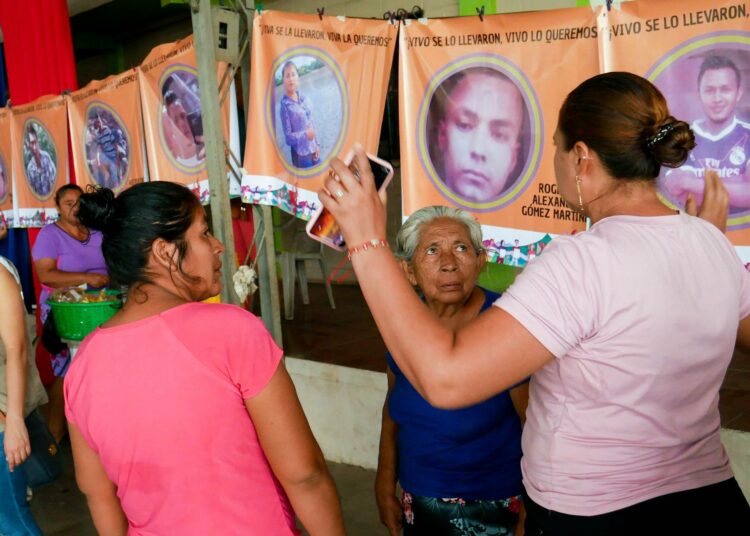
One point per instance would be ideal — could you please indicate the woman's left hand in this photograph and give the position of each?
(16, 443)
(355, 204)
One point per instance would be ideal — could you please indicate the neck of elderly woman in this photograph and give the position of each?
(455, 313)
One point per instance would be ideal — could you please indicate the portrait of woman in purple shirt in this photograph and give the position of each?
(296, 120)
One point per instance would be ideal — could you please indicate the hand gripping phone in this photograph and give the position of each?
(322, 225)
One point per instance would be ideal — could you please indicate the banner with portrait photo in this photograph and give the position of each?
(39, 131)
(698, 54)
(106, 132)
(172, 116)
(7, 214)
(318, 86)
(479, 104)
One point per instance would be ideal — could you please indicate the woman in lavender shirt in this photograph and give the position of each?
(66, 253)
(296, 120)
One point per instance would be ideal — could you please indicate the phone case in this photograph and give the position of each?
(322, 225)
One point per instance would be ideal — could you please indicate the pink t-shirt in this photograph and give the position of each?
(161, 401)
(642, 316)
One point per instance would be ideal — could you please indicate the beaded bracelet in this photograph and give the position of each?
(370, 244)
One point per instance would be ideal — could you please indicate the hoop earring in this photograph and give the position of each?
(580, 197)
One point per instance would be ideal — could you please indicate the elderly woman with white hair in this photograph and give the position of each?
(459, 469)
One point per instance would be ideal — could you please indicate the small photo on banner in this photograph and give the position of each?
(697, 52)
(172, 115)
(318, 86)
(40, 159)
(7, 214)
(106, 132)
(479, 105)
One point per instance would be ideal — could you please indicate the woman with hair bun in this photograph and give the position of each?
(626, 333)
(183, 419)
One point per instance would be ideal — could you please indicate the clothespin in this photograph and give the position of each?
(65, 92)
(321, 11)
(609, 5)
(480, 12)
(259, 7)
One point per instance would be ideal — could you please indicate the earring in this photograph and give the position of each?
(580, 197)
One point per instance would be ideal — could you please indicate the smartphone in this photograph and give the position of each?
(322, 225)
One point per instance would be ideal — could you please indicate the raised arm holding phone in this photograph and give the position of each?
(588, 319)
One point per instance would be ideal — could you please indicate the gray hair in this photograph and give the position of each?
(409, 234)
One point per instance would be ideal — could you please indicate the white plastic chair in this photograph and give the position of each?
(293, 268)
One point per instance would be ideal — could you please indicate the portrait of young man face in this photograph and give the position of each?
(719, 92)
(478, 135)
(32, 141)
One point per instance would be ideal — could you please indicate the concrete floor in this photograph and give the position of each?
(60, 509)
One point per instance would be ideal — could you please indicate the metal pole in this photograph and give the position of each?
(268, 282)
(221, 217)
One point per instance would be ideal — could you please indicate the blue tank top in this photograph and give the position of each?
(471, 453)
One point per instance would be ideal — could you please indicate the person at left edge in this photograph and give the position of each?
(21, 391)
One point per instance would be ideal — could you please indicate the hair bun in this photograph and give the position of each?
(670, 142)
(97, 209)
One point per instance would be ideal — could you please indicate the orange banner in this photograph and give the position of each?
(318, 85)
(106, 132)
(7, 214)
(40, 160)
(698, 53)
(479, 104)
(172, 115)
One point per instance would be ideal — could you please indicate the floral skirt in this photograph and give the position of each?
(459, 517)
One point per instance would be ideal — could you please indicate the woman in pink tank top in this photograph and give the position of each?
(183, 419)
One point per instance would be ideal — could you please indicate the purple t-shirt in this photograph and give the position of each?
(71, 255)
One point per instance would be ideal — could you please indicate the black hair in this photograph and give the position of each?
(167, 85)
(32, 130)
(66, 188)
(170, 97)
(715, 62)
(132, 221)
(288, 64)
(624, 119)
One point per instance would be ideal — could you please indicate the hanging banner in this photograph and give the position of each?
(318, 86)
(7, 214)
(40, 159)
(479, 105)
(172, 116)
(105, 129)
(698, 54)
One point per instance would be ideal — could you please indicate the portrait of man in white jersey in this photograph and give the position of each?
(722, 139)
